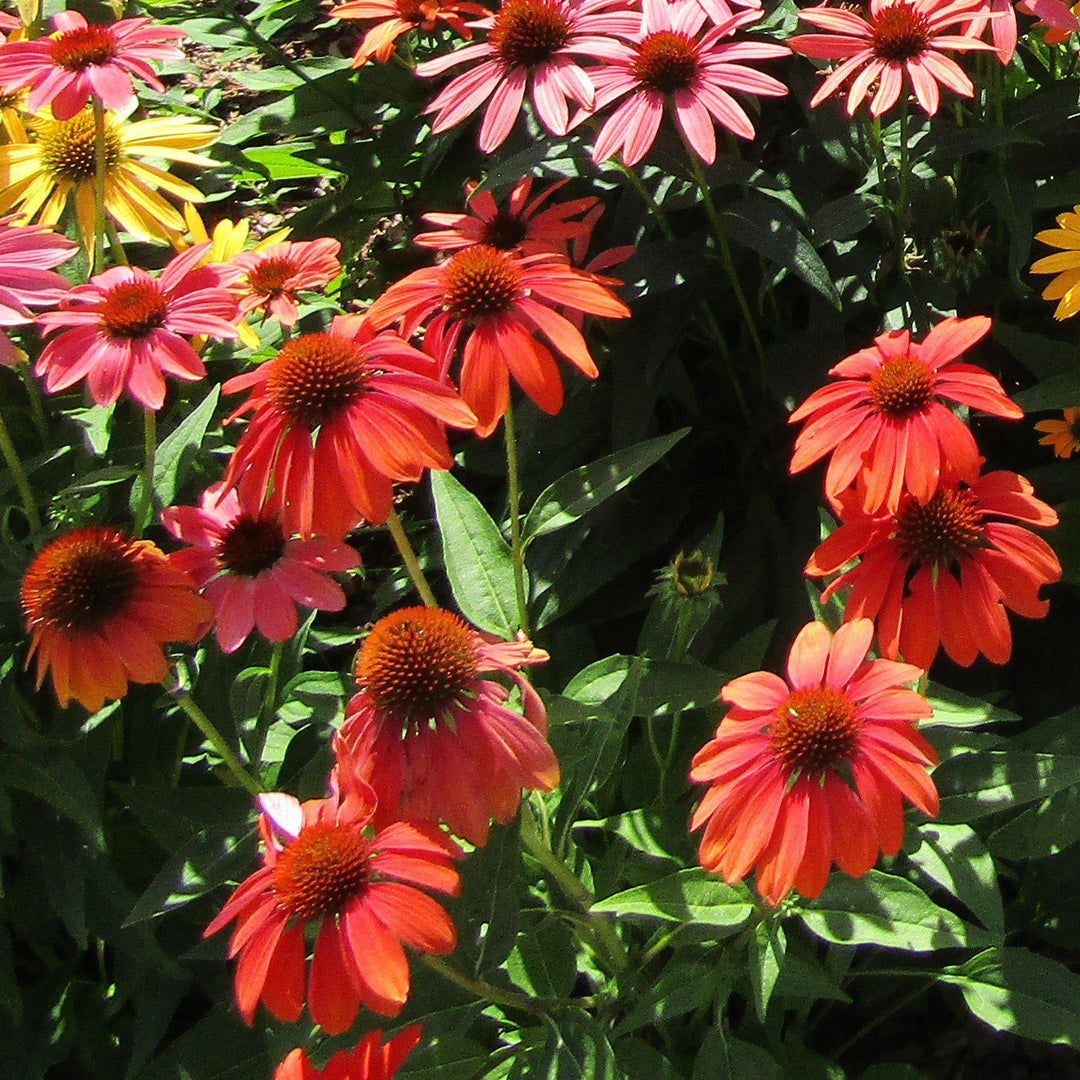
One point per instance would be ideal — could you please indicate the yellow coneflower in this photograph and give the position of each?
(1064, 263)
(50, 160)
(1063, 435)
(12, 106)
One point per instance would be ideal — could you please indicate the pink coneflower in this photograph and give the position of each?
(250, 571)
(885, 420)
(814, 770)
(497, 301)
(337, 418)
(273, 277)
(28, 254)
(674, 61)
(1055, 15)
(944, 571)
(82, 61)
(533, 41)
(126, 327)
(434, 737)
(901, 40)
(397, 17)
(1061, 25)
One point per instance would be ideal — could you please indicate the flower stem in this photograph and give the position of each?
(146, 497)
(483, 989)
(97, 255)
(650, 200)
(116, 249)
(214, 737)
(269, 705)
(902, 201)
(513, 479)
(408, 557)
(37, 404)
(18, 474)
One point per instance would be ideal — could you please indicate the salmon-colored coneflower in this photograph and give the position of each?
(433, 734)
(813, 771)
(99, 607)
(273, 277)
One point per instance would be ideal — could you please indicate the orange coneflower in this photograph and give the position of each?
(372, 1059)
(397, 17)
(99, 607)
(1063, 435)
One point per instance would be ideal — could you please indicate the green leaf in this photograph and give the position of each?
(1014, 990)
(976, 784)
(62, 785)
(578, 492)
(692, 895)
(663, 686)
(682, 987)
(478, 560)
(765, 959)
(1047, 828)
(953, 709)
(543, 961)
(881, 909)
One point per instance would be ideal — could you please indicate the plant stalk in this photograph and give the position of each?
(146, 498)
(214, 737)
(18, 474)
(408, 557)
(97, 254)
(518, 549)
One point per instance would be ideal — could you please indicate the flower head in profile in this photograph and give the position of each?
(125, 329)
(397, 17)
(272, 277)
(433, 734)
(336, 419)
(900, 44)
(250, 570)
(326, 875)
(1063, 264)
(885, 420)
(28, 256)
(943, 572)
(813, 770)
(537, 44)
(52, 163)
(1055, 15)
(1060, 24)
(679, 63)
(1063, 435)
(493, 303)
(372, 1059)
(99, 608)
(81, 61)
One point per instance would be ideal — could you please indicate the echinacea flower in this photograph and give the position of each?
(813, 771)
(83, 61)
(943, 572)
(327, 875)
(1064, 264)
(250, 570)
(273, 277)
(99, 608)
(372, 1059)
(1058, 29)
(497, 302)
(885, 420)
(676, 61)
(337, 418)
(537, 43)
(28, 255)
(122, 329)
(1053, 14)
(434, 737)
(1063, 435)
(898, 42)
(397, 17)
(53, 160)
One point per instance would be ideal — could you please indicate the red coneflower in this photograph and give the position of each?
(781, 765)
(344, 413)
(372, 1059)
(273, 277)
(434, 738)
(943, 571)
(497, 301)
(397, 17)
(99, 606)
(885, 420)
(323, 871)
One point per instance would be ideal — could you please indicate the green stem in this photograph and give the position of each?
(214, 737)
(518, 549)
(639, 186)
(97, 254)
(116, 248)
(880, 1017)
(408, 557)
(725, 355)
(269, 705)
(879, 161)
(485, 990)
(18, 474)
(902, 201)
(37, 403)
(145, 513)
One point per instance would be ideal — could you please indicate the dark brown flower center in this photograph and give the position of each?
(316, 376)
(899, 32)
(947, 528)
(480, 282)
(416, 663)
(505, 231)
(667, 61)
(132, 309)
(321, 870)
(902, 386)
(251, 545)
(84, 47)
(272, 275)
(79, 580)
(528, 32)
(67, 147)
(816, 730)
